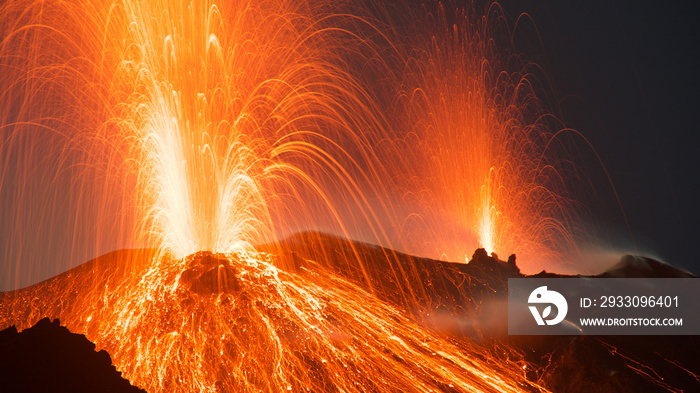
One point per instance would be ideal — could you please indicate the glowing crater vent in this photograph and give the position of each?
(208, 273)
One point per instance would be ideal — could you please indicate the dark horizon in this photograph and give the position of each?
(625, 76)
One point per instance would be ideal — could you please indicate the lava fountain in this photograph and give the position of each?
(183, 126)
(489, 167)
(238, 115)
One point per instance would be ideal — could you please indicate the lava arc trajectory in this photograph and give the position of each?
(195, 131)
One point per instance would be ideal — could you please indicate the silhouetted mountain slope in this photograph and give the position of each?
(49, 358)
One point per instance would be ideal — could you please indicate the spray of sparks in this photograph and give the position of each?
(183, 126)
(488, 170)
(187, 127)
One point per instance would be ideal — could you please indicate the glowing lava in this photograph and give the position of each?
(237, 323)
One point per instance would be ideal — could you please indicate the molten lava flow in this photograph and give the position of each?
(215, 322)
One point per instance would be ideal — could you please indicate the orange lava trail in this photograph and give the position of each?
(237, 323)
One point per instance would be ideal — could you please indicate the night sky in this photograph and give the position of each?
(626, 76)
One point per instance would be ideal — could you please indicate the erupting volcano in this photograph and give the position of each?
(194, 136)
(215, 322)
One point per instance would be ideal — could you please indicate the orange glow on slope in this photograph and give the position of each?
(237, 323)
